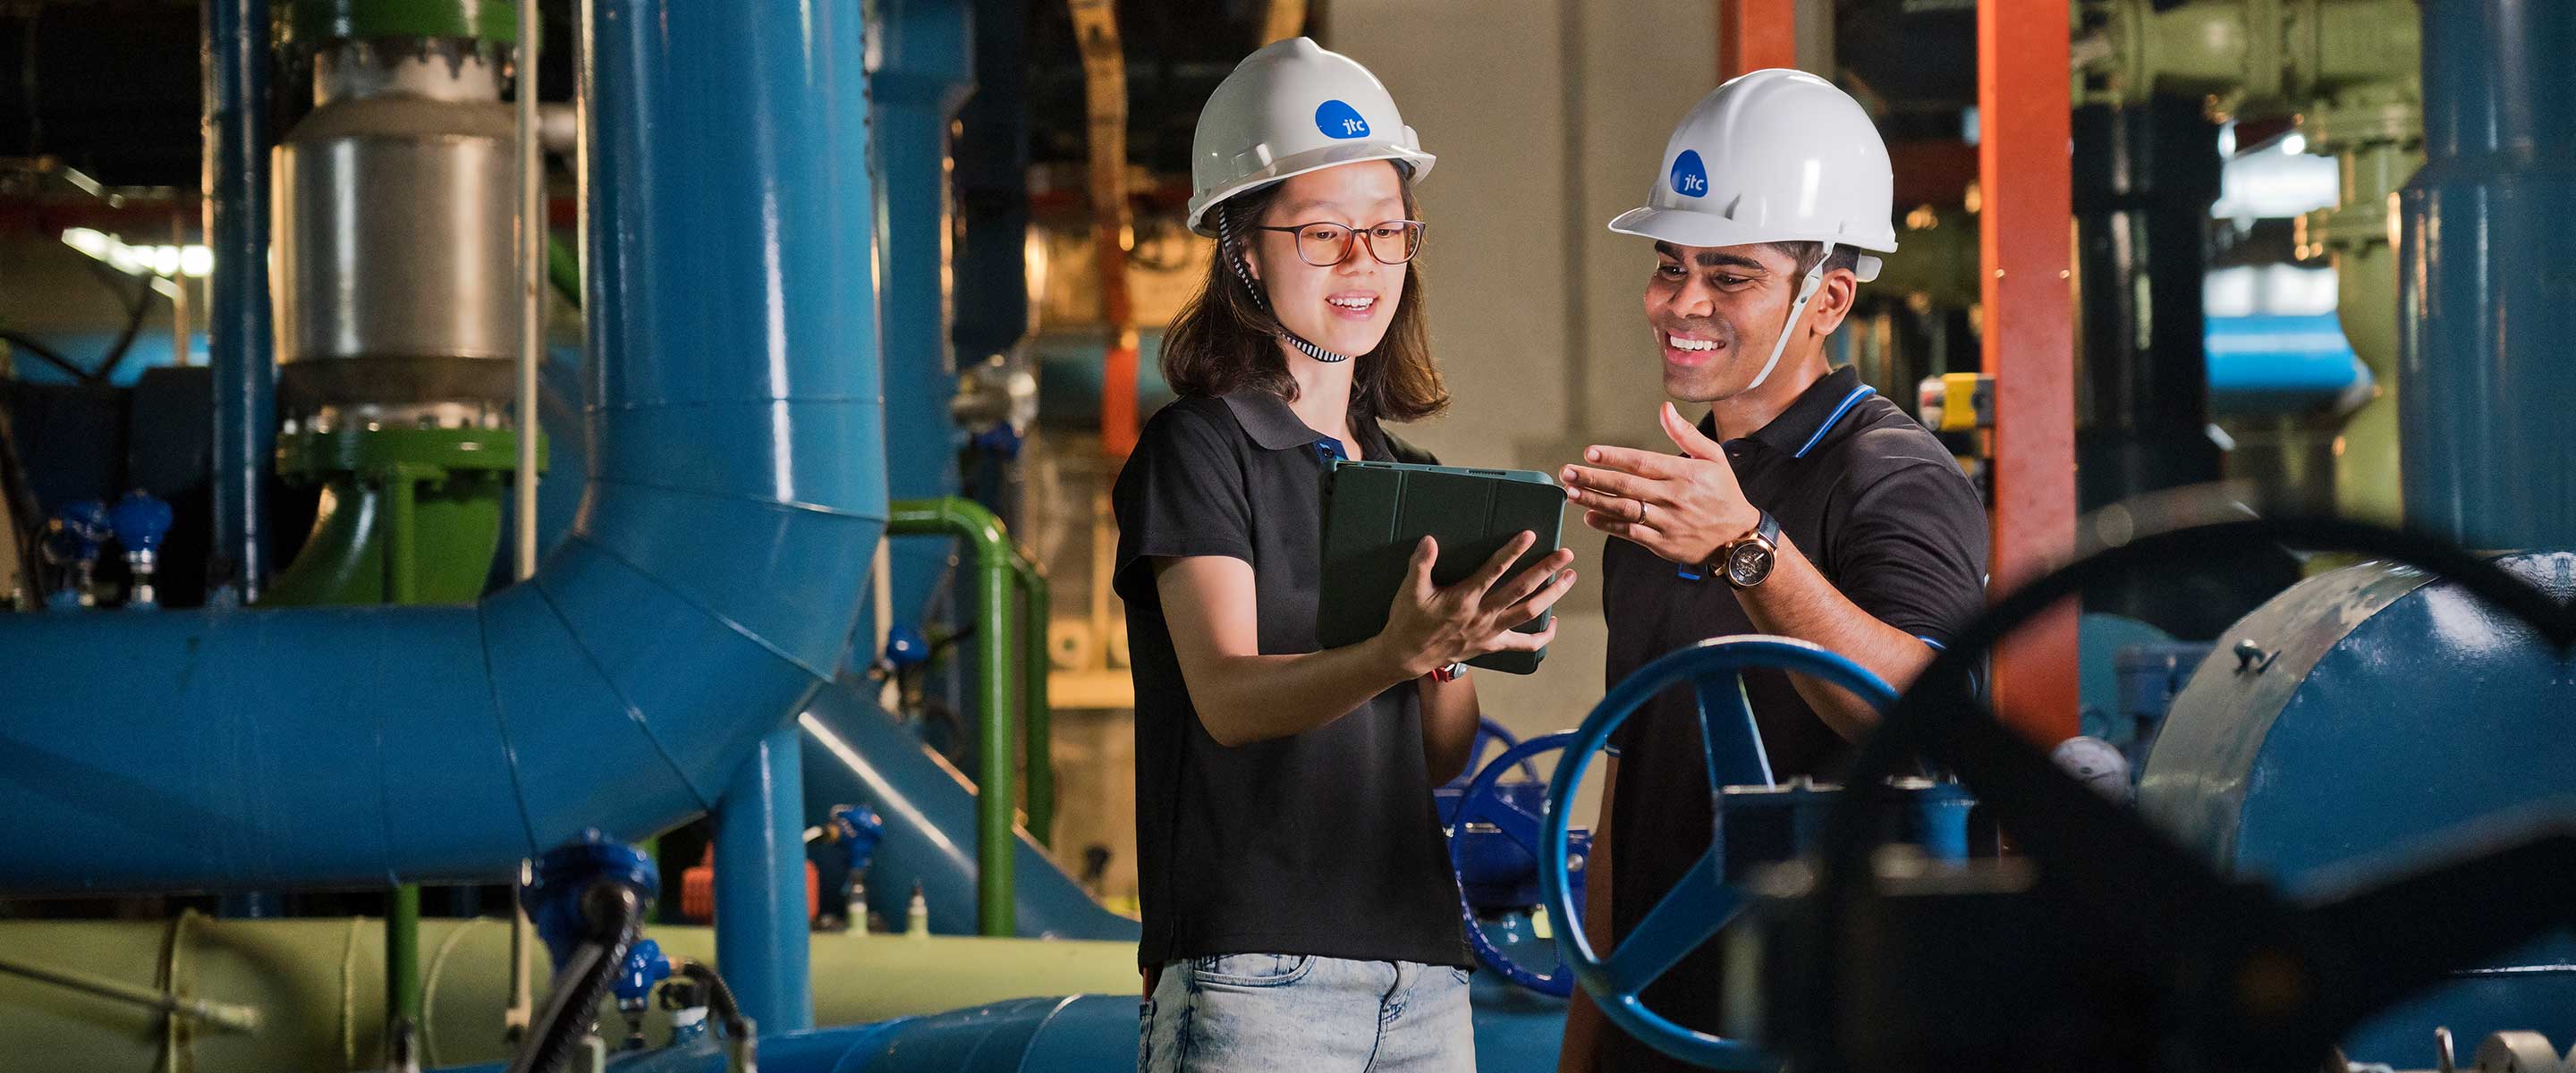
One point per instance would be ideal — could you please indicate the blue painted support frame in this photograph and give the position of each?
(763, 943)
(1701, 903)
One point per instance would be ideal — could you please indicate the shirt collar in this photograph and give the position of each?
(1269, 421)
(1812, 415)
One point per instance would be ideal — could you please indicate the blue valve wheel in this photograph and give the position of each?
(1489, 732)
(1483, 802)
(1703, 902)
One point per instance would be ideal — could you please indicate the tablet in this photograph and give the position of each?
(1375, 513)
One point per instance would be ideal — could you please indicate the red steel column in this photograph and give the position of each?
(2027, 232)
(1754, 34)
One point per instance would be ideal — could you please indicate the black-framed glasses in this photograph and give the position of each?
(1325, 245)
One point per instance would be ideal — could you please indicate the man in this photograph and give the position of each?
(1804, 505)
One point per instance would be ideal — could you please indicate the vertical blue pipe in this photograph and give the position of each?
(915, 92)
(235, 186)
(2487, 294)
(761, 931)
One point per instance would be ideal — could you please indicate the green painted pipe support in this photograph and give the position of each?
(997, 569)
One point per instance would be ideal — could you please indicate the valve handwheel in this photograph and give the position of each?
(1484, 802)
(1703, 902)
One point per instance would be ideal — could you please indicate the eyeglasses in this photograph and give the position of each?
(1327, 245)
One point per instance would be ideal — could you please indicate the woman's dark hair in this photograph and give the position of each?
(1226, 340)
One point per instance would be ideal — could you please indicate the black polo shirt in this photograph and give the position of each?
(1881, 509)
(1323, 843)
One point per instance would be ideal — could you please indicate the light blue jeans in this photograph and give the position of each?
(1295, 1013)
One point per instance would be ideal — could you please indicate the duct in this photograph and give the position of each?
(702, 595)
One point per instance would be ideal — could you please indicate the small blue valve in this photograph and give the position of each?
(72, 538)
(905, 647)
(140, 520)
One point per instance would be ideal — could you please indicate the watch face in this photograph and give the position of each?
(1748, 564)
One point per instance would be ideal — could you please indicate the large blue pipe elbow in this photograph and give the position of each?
(737, 487)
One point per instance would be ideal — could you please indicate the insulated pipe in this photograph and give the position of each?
(761, 931)
(2483, 290)
(702, 596)
(235, 185)
(994, 576)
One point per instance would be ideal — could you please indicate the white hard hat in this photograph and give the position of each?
(1773, 156)
(1288, 109)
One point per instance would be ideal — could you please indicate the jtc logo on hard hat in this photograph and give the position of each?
(1690, 177)
(1339, 120)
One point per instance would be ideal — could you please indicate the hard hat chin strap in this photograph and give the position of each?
(1806, 291)
(1234, 259)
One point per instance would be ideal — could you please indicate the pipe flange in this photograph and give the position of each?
(308, 455)
(306, 388)
(316, 23)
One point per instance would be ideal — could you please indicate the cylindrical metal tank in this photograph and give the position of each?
(2365, 716)
(396, 207)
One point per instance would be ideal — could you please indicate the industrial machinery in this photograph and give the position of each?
(392, 710)
(1756, 824)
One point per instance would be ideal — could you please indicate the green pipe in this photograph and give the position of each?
(402, 958)
(402, 905)
(402, 543)
(564, 267)
(1036, 720)
(993, 578)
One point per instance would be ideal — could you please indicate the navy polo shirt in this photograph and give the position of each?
(1322, 843)
(1881, 509)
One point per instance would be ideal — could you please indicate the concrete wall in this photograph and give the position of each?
(1549, 118)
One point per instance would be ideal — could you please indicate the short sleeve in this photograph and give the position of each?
(1181, 493)
(1912, 550)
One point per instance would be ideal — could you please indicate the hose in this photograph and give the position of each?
(615, 915)
(720, 998)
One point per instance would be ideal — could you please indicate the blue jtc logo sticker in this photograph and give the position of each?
(1690, 177)
(1339, 120)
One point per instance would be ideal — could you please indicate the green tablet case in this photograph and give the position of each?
(1376, 512)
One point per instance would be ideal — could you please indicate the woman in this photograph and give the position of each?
(1299, 907)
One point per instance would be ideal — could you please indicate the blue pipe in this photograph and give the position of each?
(856, 755)
(703, 595)
(2482, 285)
(762, 938)
(236, 196)
(916, 90)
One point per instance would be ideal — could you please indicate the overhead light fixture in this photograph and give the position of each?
(165, 260)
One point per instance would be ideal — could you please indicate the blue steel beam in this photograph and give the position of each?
(704, 593)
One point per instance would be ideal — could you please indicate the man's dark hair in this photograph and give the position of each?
(1846, 257)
